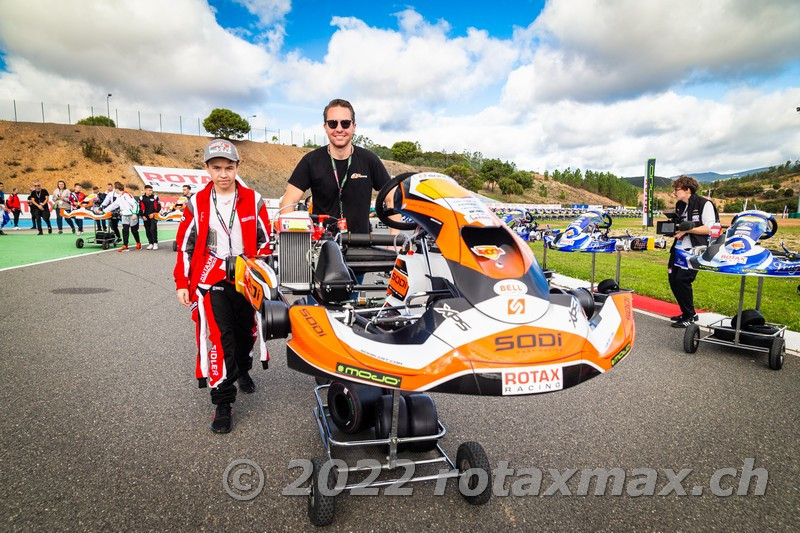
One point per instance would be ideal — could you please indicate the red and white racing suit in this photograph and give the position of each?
(226, 326)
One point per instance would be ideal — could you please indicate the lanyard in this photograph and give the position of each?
(229, 228)
(336, 177)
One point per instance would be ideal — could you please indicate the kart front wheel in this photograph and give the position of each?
(776, 353)
(79, 243)
(691, 338)
(473, 463)
(321, 499)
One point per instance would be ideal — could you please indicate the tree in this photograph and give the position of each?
(99, 120)
(460, 173)
(404, 150)
(474, 183)
(226, 124)
(524, 178)
(493, 170)
(508, 187)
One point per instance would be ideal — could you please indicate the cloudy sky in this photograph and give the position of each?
(701, 85)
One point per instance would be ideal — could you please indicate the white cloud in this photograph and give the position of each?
(141, 50)
(270, 15)
(589, 50)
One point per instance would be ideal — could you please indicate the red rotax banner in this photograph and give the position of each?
(172, 180)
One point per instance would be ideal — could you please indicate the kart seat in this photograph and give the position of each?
(332, 279)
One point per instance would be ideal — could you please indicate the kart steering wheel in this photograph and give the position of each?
(382, 213)
(774, 228)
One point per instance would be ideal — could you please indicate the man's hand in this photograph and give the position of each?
(679, 234)
(183, 297)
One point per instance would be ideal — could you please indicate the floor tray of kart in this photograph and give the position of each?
(467, 311)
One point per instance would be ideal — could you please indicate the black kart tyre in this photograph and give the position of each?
(471, 456)
(776, 353)
(422, 420)
(383, 417)
(607, 285)
(727, 334)
(79, 243)
(691, 338)
(322, 381)
(750, 317)
(352, 405)
(321, 507)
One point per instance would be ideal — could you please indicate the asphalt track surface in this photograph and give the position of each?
(105, 428)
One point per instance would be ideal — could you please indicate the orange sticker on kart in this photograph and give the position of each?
(488, 251)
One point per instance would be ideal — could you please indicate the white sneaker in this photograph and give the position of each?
(155, 246)
(16, 228)
(149, 246)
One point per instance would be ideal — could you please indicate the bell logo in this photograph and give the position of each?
(489, 252)
(516, 306)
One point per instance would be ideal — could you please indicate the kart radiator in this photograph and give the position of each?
(294, 260)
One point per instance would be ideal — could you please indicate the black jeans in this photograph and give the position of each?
(151, 230)
(39, 215)
(113, 223)
(126, 228)
(233, 316)
(16, 213)
(680, 281)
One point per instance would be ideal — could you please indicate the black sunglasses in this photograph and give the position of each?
(333, 123)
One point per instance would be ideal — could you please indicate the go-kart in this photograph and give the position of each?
(467, 310)
(590, 233)
(737, 251)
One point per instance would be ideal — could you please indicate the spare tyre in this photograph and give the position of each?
(383, 417)
(586, 300)
(607, 285)
(352, 405)
(422, 420)
(750, 317)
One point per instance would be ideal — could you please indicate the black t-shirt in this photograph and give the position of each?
(40, 197)
(367, 173)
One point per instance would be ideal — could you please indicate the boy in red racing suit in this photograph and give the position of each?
(222, 220)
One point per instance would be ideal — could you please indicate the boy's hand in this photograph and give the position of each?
(183, 297)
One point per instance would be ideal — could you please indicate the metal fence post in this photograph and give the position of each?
(116, 114)
(160, 126)
(69, 116)
(91, 108)
(15, 110)
(198, 126)
(140, 119)
(180, 124)
(42, 112)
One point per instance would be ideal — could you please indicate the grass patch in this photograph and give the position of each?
(646, 274)
(94, 152)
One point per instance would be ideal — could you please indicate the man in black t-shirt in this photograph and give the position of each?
(40, 209)
(341, 176)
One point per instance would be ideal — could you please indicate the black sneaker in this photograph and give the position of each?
(676, 318)
(49, 230)
(222, 419)
(683, 322)
(246, 384)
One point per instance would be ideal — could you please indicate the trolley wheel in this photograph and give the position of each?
(422, 420)
(105, 245)
(174, 246)
(776, 353)
(79, 243)
(471, 456)
(691, 338)
(321, 507)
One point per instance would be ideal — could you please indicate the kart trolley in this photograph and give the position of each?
(738, 252)
(729, 331)
(331, 476)
(104, 239)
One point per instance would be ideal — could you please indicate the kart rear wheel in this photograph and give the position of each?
(422, 420)
(776, 353)
(472, 457)
(321, 501)
(79, 243)
(352, 405)
(691, 338)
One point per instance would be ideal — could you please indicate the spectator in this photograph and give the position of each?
(187, 192)
(60, 200)
(99, 225)
(149, 208)
(4, 215)
(14, 206)
(223, 220)
(76, 200)
(40, 209)
(111, 197)
(129, 211)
